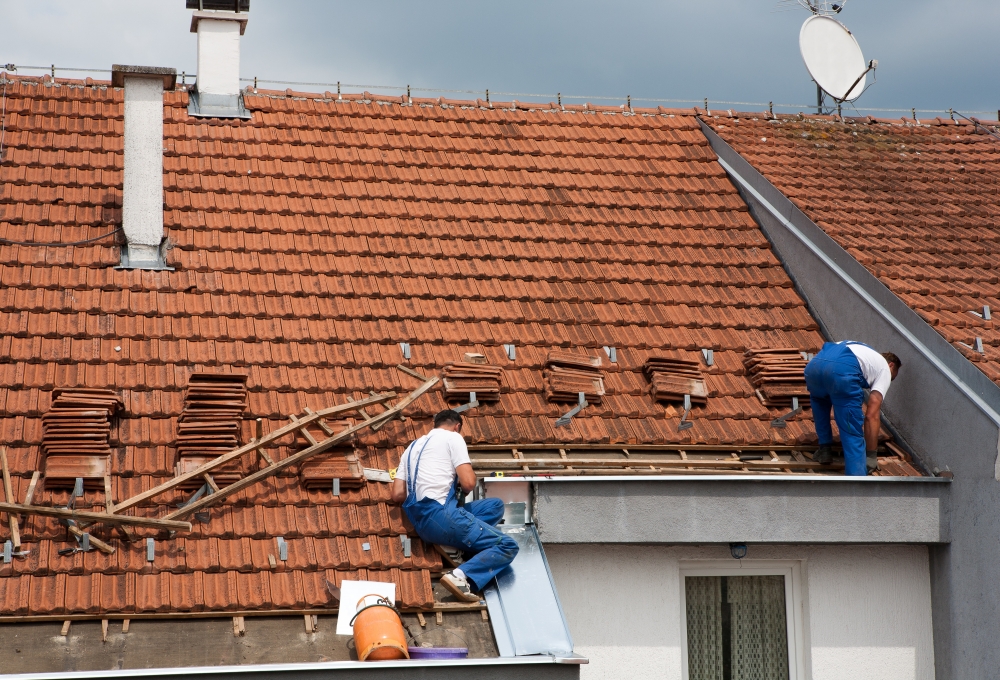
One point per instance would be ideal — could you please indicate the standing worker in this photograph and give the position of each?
(837, 377)
(426, 486)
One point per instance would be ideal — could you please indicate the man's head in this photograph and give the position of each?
(894, 363)
(448, 420)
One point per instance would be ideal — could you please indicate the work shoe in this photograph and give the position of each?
(459, 587)
(823, 455)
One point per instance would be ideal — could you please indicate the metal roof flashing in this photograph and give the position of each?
(402, 668)
(813, 479)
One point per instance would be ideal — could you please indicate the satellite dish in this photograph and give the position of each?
(833, 58)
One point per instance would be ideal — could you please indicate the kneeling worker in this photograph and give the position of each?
(837, 377)
(425, 485)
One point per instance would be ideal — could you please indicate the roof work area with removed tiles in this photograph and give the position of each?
(915, 201)
(326, 241)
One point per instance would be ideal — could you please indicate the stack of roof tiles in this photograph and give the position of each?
(75, 436)
(460, 379)
(339, 462)
(309, 241)
(671, 379)
(209, 425)
(914, 201)
(568, 374)
(778, 375)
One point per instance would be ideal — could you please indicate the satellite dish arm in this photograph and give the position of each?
(872, 65)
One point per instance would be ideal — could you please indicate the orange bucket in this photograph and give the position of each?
(378, 632)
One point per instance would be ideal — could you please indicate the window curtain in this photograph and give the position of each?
(704, 627)
(758, 630)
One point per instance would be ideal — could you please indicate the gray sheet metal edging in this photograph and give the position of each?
(817, 479)
(948, 360)
(465, 666)
(523, 603)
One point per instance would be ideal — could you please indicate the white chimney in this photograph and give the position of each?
(142, 192)
(217, 90)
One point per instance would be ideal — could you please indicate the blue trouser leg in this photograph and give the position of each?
(450, 525)
(835, 381)
(489, 510)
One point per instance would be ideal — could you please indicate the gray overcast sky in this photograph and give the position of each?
(933, 54)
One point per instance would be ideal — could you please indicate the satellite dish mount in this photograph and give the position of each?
(832, 55)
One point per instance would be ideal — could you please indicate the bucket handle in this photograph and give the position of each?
(381, 602)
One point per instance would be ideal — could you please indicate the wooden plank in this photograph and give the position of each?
(65, 628)
(96, 542)
(421, 620)
(15, 531)
(32, 485)
(302, 455)
(439, 618)
(252, 446)
(84, 516)
(104, 630)
(125, 623)
(109, 504)
(256, 613)
(305, 433)
(309, 623)
(410, 372)
(210, 480)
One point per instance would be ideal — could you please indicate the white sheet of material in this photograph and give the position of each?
(351, 592)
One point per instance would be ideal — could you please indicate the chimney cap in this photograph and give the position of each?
(227, 5)
(119, 71)
(220, 16)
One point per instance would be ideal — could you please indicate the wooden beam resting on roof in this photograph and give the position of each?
(91, 517)
(252, 446)
(297, 458)
(15, 531)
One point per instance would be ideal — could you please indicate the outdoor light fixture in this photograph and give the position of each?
(738, 550)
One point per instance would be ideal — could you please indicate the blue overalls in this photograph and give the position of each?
(834, 378)
(470, 528)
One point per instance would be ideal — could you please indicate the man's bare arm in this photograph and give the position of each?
(466, 477)
(873, 421)
(398, 490)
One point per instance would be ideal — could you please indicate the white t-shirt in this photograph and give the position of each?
(874, 367)
(445, 451)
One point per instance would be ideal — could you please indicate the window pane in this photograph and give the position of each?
(758, 631)
(704, 627)
(736, 628)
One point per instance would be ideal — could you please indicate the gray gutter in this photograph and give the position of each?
(810, 479)
(524, 667)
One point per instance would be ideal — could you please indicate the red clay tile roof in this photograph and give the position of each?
(309, 242)
(917, 204)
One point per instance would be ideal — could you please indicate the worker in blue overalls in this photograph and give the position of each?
(430, 472)
(837, 377)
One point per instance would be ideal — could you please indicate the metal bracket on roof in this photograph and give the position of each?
(78, 488)
(685, 423)
(708, 355)
(976, 346)
(8, 551)
(336, 486)
(808, 356)
(85, 542)
(407, 548)
(565, 418)
(150, 549)
(984, 315)
(282, 549)
(473, 403)
(781, 421)
(612, 353)
(197, 494)
(511, 351)
(404, 347)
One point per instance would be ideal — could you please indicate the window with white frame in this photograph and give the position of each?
(739, 624)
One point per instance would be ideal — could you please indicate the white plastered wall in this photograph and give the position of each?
(866, 610)
(219, 56)
(142, 191)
